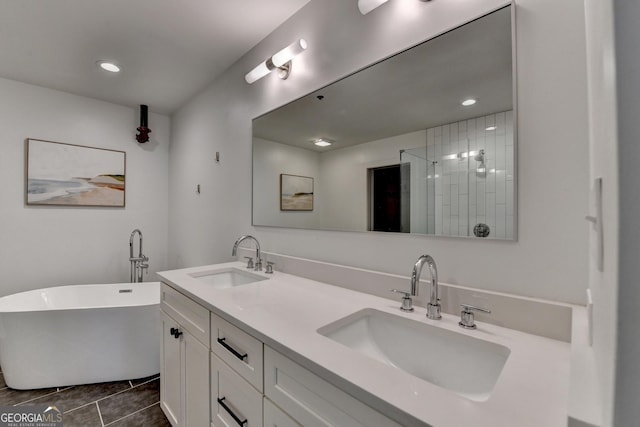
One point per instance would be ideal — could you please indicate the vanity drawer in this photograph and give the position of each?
(233, 400)
(189, 314)
(312, 401)
(239, 350)
(275, 417)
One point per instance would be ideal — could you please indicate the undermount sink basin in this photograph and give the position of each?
(227, 277)
(465, 365)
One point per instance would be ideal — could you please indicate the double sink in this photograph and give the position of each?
(452, 360)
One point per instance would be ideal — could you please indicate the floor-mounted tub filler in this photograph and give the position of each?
(80, 334)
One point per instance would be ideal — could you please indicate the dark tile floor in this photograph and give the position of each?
(118, 404)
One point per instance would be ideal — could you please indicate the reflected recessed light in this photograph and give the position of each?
(468, 102)
(322, 142)
(491, 128)
(109, 66)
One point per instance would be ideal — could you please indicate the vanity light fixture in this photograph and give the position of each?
(367, 6)
(491, 128)
(280, 61)
(468, 102)
(109, 66)
(322, 142)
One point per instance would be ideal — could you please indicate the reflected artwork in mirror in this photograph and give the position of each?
(422, 142)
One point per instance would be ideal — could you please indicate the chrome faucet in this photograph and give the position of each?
(258, 264)
(433, 307)
(140, 262)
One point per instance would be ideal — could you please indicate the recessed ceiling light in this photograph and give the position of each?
(109, 66)
(322, 142)
(468, 102)
(491, 128)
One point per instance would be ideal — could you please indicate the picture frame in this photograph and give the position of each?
(296, 193)
(60, 174)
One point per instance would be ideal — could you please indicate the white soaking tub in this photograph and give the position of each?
(80, 334)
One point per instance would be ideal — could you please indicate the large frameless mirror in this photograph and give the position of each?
(405, 154)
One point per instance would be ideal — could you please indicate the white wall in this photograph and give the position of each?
(47, 246)
(627, 16)
(419, 188)
(270, 159)
(549, 260)
(344, 178)
(603, 163)
(340, 181)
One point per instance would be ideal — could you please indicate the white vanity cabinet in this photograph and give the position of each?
(184, 360)
(275, 417)
(312, 401)
(234, 402)
(216, 374)
(236, 376)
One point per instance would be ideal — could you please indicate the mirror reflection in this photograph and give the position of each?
(422, 142)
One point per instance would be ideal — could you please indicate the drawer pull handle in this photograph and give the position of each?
(222, 342)
(175, 332)
(234, 416)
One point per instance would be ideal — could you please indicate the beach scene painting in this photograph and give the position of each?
(296, 193)
(74, 175)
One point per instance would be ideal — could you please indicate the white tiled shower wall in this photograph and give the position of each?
(464, 197)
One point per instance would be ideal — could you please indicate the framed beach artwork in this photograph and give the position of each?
(61, 174)
(296, 193)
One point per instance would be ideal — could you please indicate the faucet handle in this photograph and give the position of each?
(407, 302)
(269, 268)
(466, 315)
(249, 262)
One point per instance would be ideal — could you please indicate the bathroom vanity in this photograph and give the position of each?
(280, 349)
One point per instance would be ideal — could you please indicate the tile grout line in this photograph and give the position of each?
(147, 382)
(96, 402)
(131, 414)
(122, 391)
(39, 397)
(99, 414)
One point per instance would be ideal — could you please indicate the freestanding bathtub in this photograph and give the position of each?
(80, 334)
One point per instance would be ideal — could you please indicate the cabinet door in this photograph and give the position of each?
(191, 316)
(170, 371)
(234, 402)
(196, 382)
(274, 417)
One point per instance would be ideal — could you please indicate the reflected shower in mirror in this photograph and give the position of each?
(408, 152)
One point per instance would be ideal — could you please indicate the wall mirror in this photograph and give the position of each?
(405, 156)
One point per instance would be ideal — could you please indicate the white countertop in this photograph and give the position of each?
(286, 311)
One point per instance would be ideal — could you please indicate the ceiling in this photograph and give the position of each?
(420, 88)
(168, 50)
